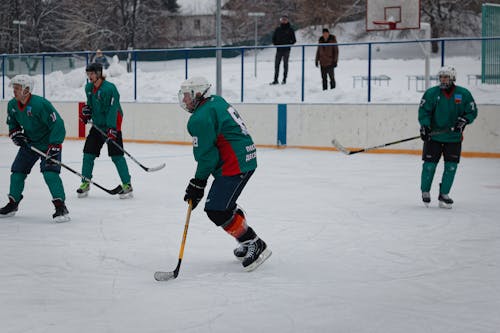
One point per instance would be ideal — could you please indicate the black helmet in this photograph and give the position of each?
(94, 67)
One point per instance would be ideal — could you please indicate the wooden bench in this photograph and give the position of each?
(375, 79)
(420, 81)
(479, 77)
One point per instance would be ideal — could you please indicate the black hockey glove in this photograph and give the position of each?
(425, 133)
(86, 114)
(195, 191)
(54, 152)
(460, 125)
(18, 137)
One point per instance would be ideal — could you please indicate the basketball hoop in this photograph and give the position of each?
(391, 24)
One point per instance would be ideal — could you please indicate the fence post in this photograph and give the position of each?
(281, 139)
(442, 53)
(186, 56)
(3, 76)
(303, 70)
(43, 74)
(135, 75)
(369, 72)
(242, 72)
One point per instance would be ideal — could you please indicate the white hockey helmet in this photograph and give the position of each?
(25, 81)
(450, 72)
(197, 87)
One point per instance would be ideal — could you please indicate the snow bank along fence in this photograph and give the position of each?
(297, 125)
(48, 62)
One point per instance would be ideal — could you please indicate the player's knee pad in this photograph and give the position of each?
(233, 222)
(219, 217)
(429, 167)
(450, 167)
(88, 158)
(50, 176)
(18, 177)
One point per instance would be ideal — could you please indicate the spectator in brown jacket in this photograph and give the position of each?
(327, 57)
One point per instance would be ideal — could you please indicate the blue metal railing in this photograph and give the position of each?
(188, 52)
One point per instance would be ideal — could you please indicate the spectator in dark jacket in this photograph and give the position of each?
(327, 57)
(101, 59)
(283, 35)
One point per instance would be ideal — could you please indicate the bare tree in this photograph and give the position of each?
(448, 17)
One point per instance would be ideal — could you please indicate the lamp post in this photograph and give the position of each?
(256, 15)
(19, 23)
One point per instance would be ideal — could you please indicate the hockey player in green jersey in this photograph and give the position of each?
(33, 121)
(445, 110)
(104, 109)
(223, 148)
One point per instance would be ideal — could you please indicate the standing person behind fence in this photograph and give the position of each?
(223, 148)
(327, 57)
(446, 108)
(101, 59)
(104, 109)
(283, 35)
(33, 121)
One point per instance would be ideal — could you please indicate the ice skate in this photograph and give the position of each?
(10, 208)
(257, 253)
(241, 251)
(126, 191)
(83, 190)
(61, 215)
(426, 198)
(445, 201)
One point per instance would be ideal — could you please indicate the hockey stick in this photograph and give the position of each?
(164, 276)
(112, 192)
(156, 168)
(350, 152)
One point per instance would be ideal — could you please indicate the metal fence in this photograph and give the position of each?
(367, 71)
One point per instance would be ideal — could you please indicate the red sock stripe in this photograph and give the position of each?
(237, 227)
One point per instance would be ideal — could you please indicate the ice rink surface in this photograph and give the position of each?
(354, 249)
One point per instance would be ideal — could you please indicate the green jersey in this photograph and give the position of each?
(221, 142)
(440, 110)
(105, 103)
(40, 121)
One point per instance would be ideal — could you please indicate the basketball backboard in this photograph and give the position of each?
(392, 14)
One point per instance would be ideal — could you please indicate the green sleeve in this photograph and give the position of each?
(54, 122)
(11, 120)
(87, 94)
(204, 148)
(470, 112)
(426, 108)
(114, 107)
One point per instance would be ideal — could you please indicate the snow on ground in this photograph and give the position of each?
(159, 81)
(354, 250)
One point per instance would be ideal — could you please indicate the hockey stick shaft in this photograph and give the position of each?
(384, 145)
(41, 153)
(161, 166)
(351, 152)
(163, 276)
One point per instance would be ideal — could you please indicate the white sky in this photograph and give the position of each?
(354, 249)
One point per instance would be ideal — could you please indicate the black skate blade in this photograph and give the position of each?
(164, 276)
